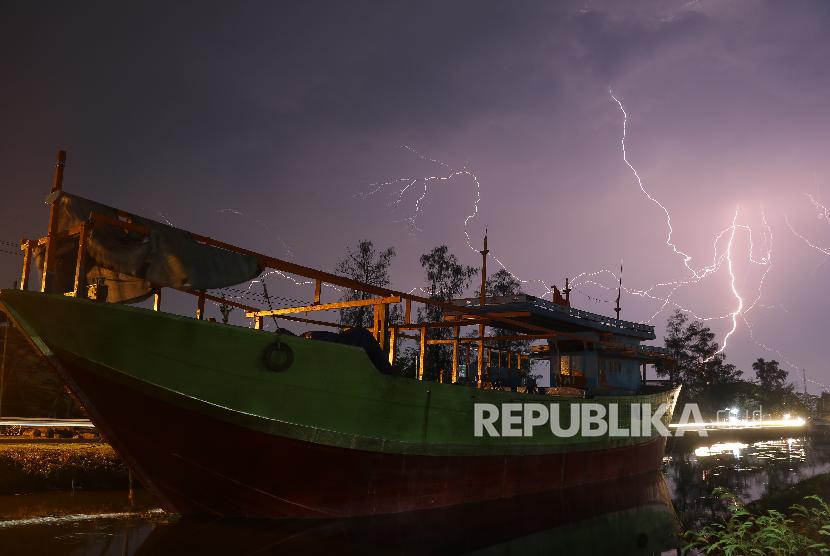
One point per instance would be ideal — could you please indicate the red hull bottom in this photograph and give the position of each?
(201, 465)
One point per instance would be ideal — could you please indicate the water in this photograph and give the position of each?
(638, 516)
(750, 469)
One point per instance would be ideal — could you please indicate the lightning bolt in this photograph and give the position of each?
(717, 261)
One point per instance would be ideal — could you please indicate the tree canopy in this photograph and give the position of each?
(701, 367)
(364, 264)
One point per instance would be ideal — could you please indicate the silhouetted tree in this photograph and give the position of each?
(446, 279)
(364, 264)
(503, 284)
(701, 367)
(771, 376)
(774, 392)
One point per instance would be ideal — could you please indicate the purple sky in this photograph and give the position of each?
(289, 112)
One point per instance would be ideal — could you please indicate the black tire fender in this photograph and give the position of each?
(278, 357)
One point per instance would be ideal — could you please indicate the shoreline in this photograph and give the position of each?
(28, 466)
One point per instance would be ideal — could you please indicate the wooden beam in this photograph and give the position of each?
(218, 299)
(325, 306)
(422, 353)
(407, 317)
(442, 324)
(157, 299)
(480, 360)
(393, 348)
(382, 317)
(258, 323)
(318, 291)
(467, 366)
(26, 245)
(504, 314)
(454, 377)
(98, 218)
(79, 286)
(200, 306)
(52, 233)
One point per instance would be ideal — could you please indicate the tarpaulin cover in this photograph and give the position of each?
(132, 264)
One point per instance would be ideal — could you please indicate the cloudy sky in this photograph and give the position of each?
(293, 127)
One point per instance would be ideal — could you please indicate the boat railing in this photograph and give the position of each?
(386, 332)
(560, 309)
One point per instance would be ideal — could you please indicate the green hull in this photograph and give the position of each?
(330, 403)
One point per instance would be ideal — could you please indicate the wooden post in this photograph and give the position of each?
(318, 289)
(393, 338)
(456, 331)
(6, 325)
(422, 353)
(79, 287)
(258, 323)
(467, 348)
(48, 259)
(383, 325)
(157, 299)
(26, 246)
(482, 301)
(407, 316)
(375, 324)
(200, 306)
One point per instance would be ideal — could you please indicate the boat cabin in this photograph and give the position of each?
(593, 352)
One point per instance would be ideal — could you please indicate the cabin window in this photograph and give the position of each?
(572, 365)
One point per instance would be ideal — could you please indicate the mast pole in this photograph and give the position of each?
(567, 291)
(49, 258)
(619, 293)
(482, 301)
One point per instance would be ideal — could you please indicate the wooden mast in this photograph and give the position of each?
(482, 302)
(49, 258)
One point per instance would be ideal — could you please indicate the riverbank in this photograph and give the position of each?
(37, 466)
(781, 501)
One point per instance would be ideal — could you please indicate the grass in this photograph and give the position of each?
(802, 530)
(35, 466)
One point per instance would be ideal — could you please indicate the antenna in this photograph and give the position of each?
(619, 292)
(567, 291)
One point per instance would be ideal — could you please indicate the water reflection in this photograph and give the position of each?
(749, 469)
(630, 517)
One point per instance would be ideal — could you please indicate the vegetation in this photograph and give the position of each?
(446, 279)
(744, 533)
(29, 467)
(714, 384)
(364, 264)
(503, 284)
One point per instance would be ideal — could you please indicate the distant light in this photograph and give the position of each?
(787, 417)
(734, 411)
(721, 448)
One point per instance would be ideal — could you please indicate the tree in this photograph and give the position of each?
(446, 279)
(701, 367)
(771, 376)
(774, 392)
(368, 265)
(503, 284)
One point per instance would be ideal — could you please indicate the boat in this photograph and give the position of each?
(239, 421)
